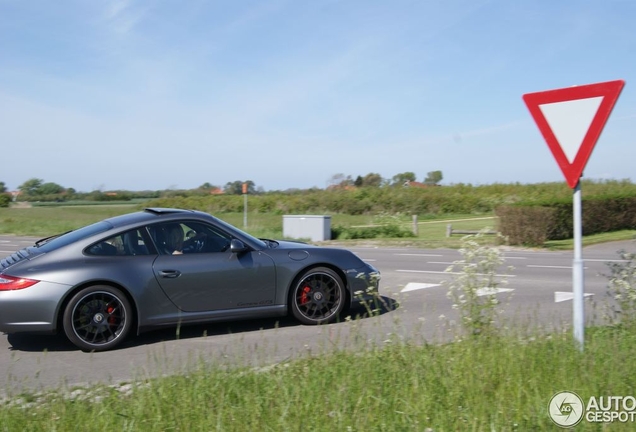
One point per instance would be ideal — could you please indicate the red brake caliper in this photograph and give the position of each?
(304, 297)
(111, 318)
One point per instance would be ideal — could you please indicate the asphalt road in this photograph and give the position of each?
(414, 305)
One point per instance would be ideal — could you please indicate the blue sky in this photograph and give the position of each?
(172, 94)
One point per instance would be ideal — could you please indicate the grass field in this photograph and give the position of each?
(499, 383)
(45, 221)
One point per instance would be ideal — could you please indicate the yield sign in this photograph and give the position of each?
(571, 120)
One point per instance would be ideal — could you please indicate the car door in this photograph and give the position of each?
(207, 276)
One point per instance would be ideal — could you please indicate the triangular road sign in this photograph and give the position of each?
(571, 120)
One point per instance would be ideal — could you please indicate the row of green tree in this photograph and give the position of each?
(452, 199)
(5, 198)
(36, 189)
(432, 178)
(456, 198)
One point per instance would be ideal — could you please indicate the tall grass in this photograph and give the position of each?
(496, 383)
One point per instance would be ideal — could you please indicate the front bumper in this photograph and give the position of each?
(364, 284)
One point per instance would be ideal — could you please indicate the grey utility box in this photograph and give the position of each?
(316, 228)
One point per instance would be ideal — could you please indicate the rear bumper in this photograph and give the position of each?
(33, 309)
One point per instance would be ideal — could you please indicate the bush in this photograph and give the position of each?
(385, 226)
(5, 199)
(534, 223)
(350, 233)
(525, 225)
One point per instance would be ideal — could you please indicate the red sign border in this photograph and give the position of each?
(609, 90)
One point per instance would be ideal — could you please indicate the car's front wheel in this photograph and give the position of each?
(97, 318)
(318, 297)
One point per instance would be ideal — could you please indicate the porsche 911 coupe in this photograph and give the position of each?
(168, 267)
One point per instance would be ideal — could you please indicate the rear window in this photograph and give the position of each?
(127, 244)
(73, 236)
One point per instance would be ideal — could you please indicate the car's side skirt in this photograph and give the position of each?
(212, 316)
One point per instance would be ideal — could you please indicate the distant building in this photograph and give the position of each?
(347, 187)
(416, 184)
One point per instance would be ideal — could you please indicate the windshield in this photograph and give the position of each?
(231, 228)
(73, 236)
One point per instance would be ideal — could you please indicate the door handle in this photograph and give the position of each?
(169, 274)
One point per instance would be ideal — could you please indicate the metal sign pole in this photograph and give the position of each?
(577, 270)
(244, 210)
(244, 190)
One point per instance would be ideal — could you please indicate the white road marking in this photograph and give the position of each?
(560, 296)
(605, 260)
(491, 291)
(552, 267)
(412, 286)
(440, 262)
(535, 253)
(444, 272)
(521, 258)
(369, 260)
(421, 255)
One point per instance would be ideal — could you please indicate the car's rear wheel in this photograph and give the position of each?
(318, 297)
(97, 318)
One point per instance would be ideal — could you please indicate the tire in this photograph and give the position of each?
(318, 296)
(97, 318)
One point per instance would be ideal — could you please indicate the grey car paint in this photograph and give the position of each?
(251, 278)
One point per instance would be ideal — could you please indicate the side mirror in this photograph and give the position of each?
(237, 246)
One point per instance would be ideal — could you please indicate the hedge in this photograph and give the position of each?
(534, 223)
(5, 199)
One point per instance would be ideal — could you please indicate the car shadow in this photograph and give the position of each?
(39, 343)
(59, 343)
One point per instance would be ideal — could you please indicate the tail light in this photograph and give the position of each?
(10, 283)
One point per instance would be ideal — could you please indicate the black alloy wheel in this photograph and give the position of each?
(318, 297)
(97, 318)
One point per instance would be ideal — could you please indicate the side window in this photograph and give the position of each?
(168, 237)
(124, 244)
(205, 238)
(187, 237)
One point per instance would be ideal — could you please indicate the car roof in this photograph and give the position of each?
(147, 215)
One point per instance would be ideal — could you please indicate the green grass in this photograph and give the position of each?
(87, 203)
(44, 221)
(503, 383)
(568, 244)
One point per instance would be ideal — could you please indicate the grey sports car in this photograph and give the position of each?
(166, 267)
